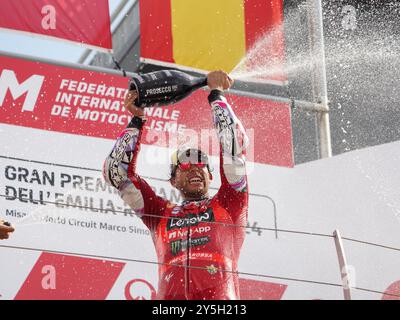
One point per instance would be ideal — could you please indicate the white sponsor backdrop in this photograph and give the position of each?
(356, 193)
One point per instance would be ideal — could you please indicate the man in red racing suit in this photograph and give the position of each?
(197, 242)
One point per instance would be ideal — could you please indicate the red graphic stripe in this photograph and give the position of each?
(59, 277)
(392, 291)
(261, 290)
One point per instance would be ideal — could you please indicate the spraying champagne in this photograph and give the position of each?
(164, 87)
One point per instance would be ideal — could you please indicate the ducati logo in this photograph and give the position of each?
(168, 276)
(139, 289)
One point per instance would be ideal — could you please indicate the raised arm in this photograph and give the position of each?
(119, 170)
(233, 193)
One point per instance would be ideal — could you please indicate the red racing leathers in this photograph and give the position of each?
(196, 242)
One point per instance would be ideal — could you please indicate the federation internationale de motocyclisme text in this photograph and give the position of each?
(201, 309)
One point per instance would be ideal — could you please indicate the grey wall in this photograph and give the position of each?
(126, 43)
(363, 74)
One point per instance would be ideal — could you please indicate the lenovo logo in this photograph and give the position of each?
(191, 220)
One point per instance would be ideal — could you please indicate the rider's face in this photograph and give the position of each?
(193, 182)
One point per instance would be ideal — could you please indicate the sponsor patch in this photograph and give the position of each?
(181, 245)
(191, 220)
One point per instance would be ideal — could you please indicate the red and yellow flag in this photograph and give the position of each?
(210, 34)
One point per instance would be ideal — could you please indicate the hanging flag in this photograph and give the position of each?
(81, 21)
(233, 35)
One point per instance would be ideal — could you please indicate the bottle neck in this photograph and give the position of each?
(200, 82)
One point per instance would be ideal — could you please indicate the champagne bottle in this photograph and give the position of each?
(164, 87)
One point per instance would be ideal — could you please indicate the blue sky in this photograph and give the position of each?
(39, 47)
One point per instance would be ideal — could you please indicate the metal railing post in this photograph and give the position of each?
(344, 271)
(319, 83)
